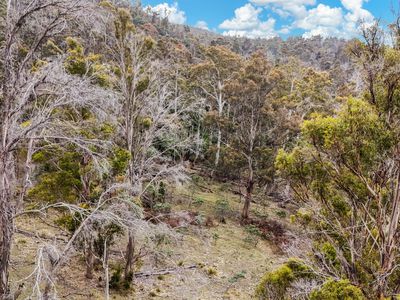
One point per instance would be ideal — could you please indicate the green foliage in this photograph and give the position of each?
(281, 214)
(118, 282)
(274, 284)
(237, 277)
(253, 235)
(162, 207)
(120, 161)
(105, 233)
(329, 252)
(59, 177)
(230, 162)
(198, 201)
(333, 165)
(77, 63)
(69, 222)
(357, 134)
(337, 290)
(155, 197)
(222, 209)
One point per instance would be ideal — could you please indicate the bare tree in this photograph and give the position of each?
(150, 123)
(34, 89)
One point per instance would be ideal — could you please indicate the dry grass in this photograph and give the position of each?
(227, 266)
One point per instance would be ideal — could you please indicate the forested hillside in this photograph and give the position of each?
(141, 159)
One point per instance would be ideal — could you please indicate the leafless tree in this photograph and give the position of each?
(150, 122)
(34, 90)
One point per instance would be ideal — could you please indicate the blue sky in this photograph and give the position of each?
(268, 18)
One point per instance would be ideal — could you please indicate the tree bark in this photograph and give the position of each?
(6, 225)
(218, 153)
(89, 257)
(129, 256)
(391, 240)
(248, 198)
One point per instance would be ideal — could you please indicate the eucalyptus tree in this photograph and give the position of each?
(35, 87)
(210, 77)
(344, 174)
(150, 124)
(253, 120)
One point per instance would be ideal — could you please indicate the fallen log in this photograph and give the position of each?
(163, 272)
(39, 236)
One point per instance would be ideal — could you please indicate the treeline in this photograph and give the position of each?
(100, 114)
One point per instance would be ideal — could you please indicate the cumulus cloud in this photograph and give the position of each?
(335, 21)
(295, 8)
(247, 22)
(202, 25)
(172, 12)
(246, 17)
(352, 4)
(356, 13)
(313, 17)
(323, 16)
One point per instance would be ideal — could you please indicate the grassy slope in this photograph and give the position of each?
(236, 266)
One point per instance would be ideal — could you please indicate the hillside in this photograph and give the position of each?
(203, 260)
(141, 159)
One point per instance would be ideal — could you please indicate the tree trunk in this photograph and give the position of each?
(6, 225)
(129, 256)
(198, 143)
(218, 153)
(391, 241)
(106, 272)
(89, 257)
(247, 199)
(27, 173)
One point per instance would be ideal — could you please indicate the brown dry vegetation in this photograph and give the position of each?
(226, 266)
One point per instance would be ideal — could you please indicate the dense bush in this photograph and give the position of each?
(274, 284)
(337, 290)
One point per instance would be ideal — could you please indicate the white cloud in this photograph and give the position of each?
(316, 18)
(246, 17)
(172, 12)
(322, 15)
(295, 8)
(327, 21)
(202, 25)
(247, 23)
(352, 4)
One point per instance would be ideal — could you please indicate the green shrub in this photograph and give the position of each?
(253, 235)
(222, 209)
(237, 277)
(337, 290)
(120, 161)
(215, 237)
(117, 282)
(275, 283)
(198, 201)
(260, 213)
(281, 214)
(69, 222)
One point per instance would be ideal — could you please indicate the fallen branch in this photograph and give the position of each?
(163, 272)
(38, 236)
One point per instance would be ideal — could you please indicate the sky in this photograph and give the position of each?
(269, 18)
